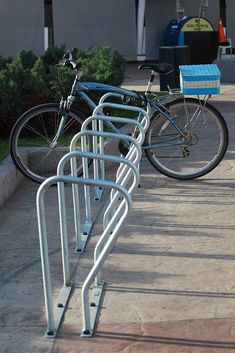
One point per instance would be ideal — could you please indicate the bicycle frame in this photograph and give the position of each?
(80, 89)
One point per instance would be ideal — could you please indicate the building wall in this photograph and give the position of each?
(94, 23)
(21, 26)
(230, 10)
(211, 13)
(113, 22)
(158, 14)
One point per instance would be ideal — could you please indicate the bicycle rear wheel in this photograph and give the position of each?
(31, 141)
(208, 139)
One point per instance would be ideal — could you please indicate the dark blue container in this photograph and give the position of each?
(173, 32)
(198, 34)
(176, 31)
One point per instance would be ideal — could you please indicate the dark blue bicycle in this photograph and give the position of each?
(186, 139)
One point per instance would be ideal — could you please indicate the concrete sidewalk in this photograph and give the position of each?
(169, 281)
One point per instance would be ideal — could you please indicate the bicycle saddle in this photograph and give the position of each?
(161, 68)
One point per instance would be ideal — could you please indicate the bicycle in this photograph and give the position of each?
(187, 137)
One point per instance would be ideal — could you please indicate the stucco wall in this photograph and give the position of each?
(21, 26)
(230, 20)
(211, 13)
(93, 23)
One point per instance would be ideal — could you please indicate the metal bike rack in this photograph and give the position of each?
(107, 239)
(143, 119)
(115, 215)
(101, 119)
(53, 319)
(82, 236)
(118, 95)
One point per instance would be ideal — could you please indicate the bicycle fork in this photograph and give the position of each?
(63, 114)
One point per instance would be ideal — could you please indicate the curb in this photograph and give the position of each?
(10, 177)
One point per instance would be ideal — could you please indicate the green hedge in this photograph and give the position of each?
(29, 79)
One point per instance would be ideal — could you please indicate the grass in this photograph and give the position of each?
(4, 149)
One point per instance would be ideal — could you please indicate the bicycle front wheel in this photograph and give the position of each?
(31, 146)
(205, 147)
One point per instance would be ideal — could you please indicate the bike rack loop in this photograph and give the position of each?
(140, 139)
(52, 323)
(114, 119)
(83, 236)
(109, 235)
(81, 239)
(99, 111)
(118, 95)
(144, 122)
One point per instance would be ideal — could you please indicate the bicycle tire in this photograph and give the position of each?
(208, 134)
(32, 135)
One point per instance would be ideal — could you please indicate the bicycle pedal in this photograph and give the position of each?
(186, 152)
(123, 148)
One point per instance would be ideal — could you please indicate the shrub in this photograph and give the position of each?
(53, 55)
(18, 86)
(3, 62)
(29, 79)
(19, 90)
(41, 77)
(99, 64)
(27, 59)
(102, 64)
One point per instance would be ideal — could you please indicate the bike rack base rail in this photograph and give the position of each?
(95, 300)
(59, 310)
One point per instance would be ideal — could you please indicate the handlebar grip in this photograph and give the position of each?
(72, 64)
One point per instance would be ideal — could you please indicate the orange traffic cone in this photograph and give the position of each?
(221, 35)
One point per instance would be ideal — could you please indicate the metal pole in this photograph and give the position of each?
(64, 234)
(87, 329)
(45, 260)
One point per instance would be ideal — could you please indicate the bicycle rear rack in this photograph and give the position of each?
(117, 211)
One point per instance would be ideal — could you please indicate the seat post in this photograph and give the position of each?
(150, 82)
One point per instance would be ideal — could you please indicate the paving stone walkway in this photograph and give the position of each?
(170, 283)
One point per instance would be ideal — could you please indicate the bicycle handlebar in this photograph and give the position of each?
(69, 60)
(72, 64)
